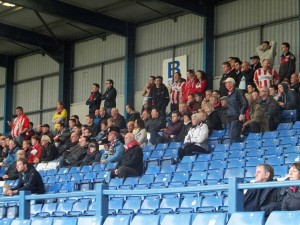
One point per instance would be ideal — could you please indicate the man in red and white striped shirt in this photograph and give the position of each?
(265, 76)
(176, 91)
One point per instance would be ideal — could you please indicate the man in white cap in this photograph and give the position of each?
(236, 109)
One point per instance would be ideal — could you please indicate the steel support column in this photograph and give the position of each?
(129, 66)
(65, 70)
(208, 44)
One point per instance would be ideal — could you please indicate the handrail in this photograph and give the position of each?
(235, 197)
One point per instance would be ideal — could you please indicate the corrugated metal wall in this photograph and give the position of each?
(2, 98)
(238, 33)
(194, 53)
(169, 33)
(2, 75)
(50, 92)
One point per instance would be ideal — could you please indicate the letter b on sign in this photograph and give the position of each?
(173, 67)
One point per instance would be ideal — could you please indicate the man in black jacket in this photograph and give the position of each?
(50, 152)
(29, 179)
(94, 101)
(287, 62)
(109, 96)
(132, 159)
(267, 199)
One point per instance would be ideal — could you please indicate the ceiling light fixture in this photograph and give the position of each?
(8, 4)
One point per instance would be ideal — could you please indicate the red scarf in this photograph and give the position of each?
(130, 145)
(92, 95)
(294, 189)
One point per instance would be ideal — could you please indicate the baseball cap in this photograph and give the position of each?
(254, 57)
(46, 125)
(229, 79)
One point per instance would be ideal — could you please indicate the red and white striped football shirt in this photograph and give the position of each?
(265, 77)
(177, 92)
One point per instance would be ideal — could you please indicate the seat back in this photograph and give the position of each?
(117, 220)
(247, 218)
(210, 218)
(145, 220)
(284, 218)
(177, 219)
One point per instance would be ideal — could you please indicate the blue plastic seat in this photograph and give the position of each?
(149, 148)
(86, 169)
(116, 182)
(203, 157)
(237, 146)
(132, 205)
(6, 221)
(273, 150)
(63, 208)
(79, 208)
(292, 149)
(90, 176)
(219, 155)
(164, 178)
(184, 167)
(247, 218)
(288, 141)
(77, 177)
(281, 171)
(210, 218)
(217, 134)
(270, 142)
(285, 126)
(65, 220)
(169, 205)
(150, 204)
(69, 187)
(35, 208)
(234, 172)
(198, 175)
(161, 146)
(250, 171)
(217, 164)
(286, 133)
(180, 177)
(291, 158)
(211, 201)
(270, 135)
(146, 220)
(103, 176)
(254, 161)
(253, 144)
(53, 188)
(175, 144)
(64, 178)
(156, 154)
(236, 154)
(20, 222)
(283, 218)
(221, 147)
(131, 181)
(274, 160)
(254, 152)
(51, 172)
(190, 204)
(168, 168)
(74, 169)
(203, 166)
(189, 159)
(177, 219)
(147, 179)
(91, 220)
(111, 166)
(118, 220)
(97, 167)
(91, 211)
(48, 209)
(114, 205)
(254, 136)
(235, 162)
(216, 174)
(153, 170)
(171, 152)
(12, 210)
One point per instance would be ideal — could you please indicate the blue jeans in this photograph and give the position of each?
(235, 129)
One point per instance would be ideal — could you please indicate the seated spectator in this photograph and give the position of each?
(72, 124)
(49, 150)
(255, 120)
(38, 130)
(77, 129)
(13, 147)
(93, 155)
(4, 148)
(29, 179)
(213, 118)
(76, 118)
(46, 131)
(94, 127)
(36, 150)
(26, 147)
(209, 93)
(267, 199)
(65, 149)
(215, 102)
(156, 123)
(198, 100)
(102, 113)
(131, 163)
(291, 200)
(295, 84)
(111, 126)
(245, 77)
(271, 108)
(60, 116)
(120, 120)
(87, 132)
(132, 114)
(30, 132)
(113, 150)
(287, 98)
(187, 124)
(223, 111)
(140, 133)
(77, 153)
(102, 133)
(97, 117)
(191, 103)
(251, 88)
(146, 115)
(273, 90)
(182, 108)
(130, 126)
(197, 137)
(12, 173)
(255, 95)
(62, 135)
(169, 132)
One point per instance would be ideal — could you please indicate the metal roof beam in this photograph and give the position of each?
(61, 9)
(46, 43)
(3, 61)
(189, 5)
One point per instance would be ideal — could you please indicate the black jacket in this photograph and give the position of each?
(271, 111)
(76, 154)
(94, 129)
(158, 97)
(291, 200)
(289, 98)
(89, 159)
(222, 88)
(50, 152)
(214, 121)
(109, 97)
(248, 76)
(94, 102)
(30, 180)
(12, 171)
(184, 131)
(133, 158)
(287, 66)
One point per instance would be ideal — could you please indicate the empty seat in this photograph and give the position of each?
(153, 170)
(174, 144)
(163, 178)
(210, 218)
(292, 149)
(146, 220)
(65, 220)
(216, 174)
(221, 147)
(236, 162)
(273, 150)
(204, 157)
(177, 219)
(237, 146)
(283, 218)
(217, 164)
(198, 175)
(63, 170)
(150, 204)
(146, 179)
(48, 209)
(254, 136)
(254, 152)
(281, 171)
(202, 166)
(247, 218)
(234, 172)
(78, 208)
(114, 204)
(254, 161)
(20, 222)
(132, 205)
(286, 133)
(180, 176)
(270, 135)
(116, 182)
(190, 204)
(189, 159)
(184, 167)
(285, 126)
(236, 154)
(35, 208)
(291, 158)
(270, 142)
(63, 208)
(12, 210)
(90, 220)
(219, 156)
(117, 220)
(250, 171)
(169, 204)
(41, 221)
(168, 168)
(5, 221)
(274, 160)
(212, 201)
(253, 144)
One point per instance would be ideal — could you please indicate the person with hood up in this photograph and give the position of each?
(287, 98)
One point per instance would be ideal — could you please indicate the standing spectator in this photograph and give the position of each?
(255, 63)
(237, 68)
(159, 96)
(131, 163)
(287, 62)
(30, 132)
(265, 76)
(271, 108)
(197, 137)
(267, 50)
(245, 77)
(120, 120)
(201, 85)
(148, 86)
(60, 116)
(36, 150)
(20, 125)
(49, 150)
(236, 110)
(223, 111)
(190, 85)
(176, 89)
(227, 73)
(109, 96)
(29, 179)
(94, 101)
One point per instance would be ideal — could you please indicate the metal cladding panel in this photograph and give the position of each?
(116, 72)
(83, 80)
(47, 118)
(245, 13)
(97, 50)
(194, 54)
(241, 45)
(34, 66)
(1, 126)
(2, 75)
(50, 92)
(149, 65)
(2, 99)
(27, 95)
(167, 33)
(35, 118)
(284, 32)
